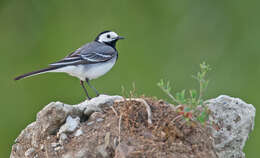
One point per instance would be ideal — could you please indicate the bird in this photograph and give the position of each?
(88, 62)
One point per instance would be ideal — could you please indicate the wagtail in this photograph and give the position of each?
(88, 62)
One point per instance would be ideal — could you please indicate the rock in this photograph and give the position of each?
(31, 134)
(102, 149)
(58, 148)
(90, 129)
(78, 133)
(53, 116)
(95, 115)
(54, 144)
(70, 126)
(29, 152)
(42, 147)
(96, 104)
(63, 137)
(234, 120)
(50, 119)
(90, 123)
(83, 153)
(100, 120)
(123, 151)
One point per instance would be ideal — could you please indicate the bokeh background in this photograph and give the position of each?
(165, 39)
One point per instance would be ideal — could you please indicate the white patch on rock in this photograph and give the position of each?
(29, 152)
(100, 119)
(63, 138)
(58, 148)
(96, 104)
(78, 133)
(70, 126)
(54, 144)
(90, 123)
(42, 147)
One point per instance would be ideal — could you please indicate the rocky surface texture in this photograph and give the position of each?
(111, 126)
(233, 120)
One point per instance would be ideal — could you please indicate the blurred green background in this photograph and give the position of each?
(165, 39)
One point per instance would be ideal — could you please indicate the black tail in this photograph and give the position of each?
(36, 72)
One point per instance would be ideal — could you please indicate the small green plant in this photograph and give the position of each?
(192, 103)
(131, 94)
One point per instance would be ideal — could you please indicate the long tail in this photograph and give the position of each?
(48, 69)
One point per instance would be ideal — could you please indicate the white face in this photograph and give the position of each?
(108, 37)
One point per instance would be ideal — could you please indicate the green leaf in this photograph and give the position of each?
(195, 97)
(193, 94)
(187, 109)
(187, 119)
(180, 96)
(202, 117)
(183, 94)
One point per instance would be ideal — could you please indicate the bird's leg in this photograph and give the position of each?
(85, 90)
(87, 80)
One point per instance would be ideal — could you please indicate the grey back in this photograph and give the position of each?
(89, 53)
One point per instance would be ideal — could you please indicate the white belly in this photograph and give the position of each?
(90, 71)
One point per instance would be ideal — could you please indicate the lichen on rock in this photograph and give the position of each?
(233, 120)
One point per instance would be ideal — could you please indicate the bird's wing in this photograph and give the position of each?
(88, 54)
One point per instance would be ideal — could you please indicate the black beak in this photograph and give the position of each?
(120, 37)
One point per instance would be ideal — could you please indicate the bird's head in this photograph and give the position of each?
(108, 37)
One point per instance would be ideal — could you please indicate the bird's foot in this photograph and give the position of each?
(88, 97)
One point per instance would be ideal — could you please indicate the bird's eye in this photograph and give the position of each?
(108, 36)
